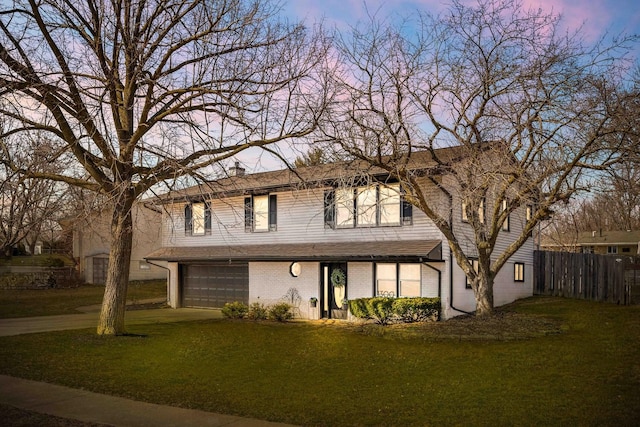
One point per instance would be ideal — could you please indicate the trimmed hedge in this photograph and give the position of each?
(257, 311)
(384, 310)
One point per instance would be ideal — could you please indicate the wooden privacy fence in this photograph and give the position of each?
(608, 278)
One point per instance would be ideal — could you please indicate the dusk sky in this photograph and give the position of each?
(598, 16)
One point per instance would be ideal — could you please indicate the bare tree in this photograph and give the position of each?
(526, 107)
(28, 205)
(143, 92)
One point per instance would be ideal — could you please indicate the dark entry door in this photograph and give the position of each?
(333, 290)
(100, 266)
(214, 285)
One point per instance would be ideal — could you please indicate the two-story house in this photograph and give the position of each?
(330, 232)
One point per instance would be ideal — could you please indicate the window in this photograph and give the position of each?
(505, 224)
(465, 217)
(367, 206)
(260, 213)
(518, 272)
(475, 265)
(197, 219)
(401, 280)
(389, 205)
(344, 207)
(587, 250)
(612, 249)
(529, 212)
(143, 265)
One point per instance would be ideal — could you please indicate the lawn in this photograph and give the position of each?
(542, 361)
(47, 302)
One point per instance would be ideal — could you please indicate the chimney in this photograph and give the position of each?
(236, 170)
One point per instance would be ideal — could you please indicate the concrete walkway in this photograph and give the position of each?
(98, 408)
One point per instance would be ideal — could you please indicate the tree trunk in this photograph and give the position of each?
(115, 294)
(484, 296)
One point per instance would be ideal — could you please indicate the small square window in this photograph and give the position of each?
(518, 272)
(475, 264)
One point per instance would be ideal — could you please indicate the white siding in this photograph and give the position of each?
(300, 219)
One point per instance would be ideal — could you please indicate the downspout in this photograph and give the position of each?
(168, 277)
(450, 197)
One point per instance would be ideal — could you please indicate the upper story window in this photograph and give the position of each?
(260, 213)
(197, 219)
(506, 224)
(465, 216)
(367, 206)
(529, 212)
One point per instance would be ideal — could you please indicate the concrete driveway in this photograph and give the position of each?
(29, 325)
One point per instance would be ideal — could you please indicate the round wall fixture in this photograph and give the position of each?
(295, 268)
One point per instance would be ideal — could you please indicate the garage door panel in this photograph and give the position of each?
(214, 285)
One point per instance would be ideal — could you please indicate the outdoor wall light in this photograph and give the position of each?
(295, 268)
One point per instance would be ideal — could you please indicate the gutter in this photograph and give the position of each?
(168, 278)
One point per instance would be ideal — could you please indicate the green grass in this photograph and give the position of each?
(46, 302)
(577, 363)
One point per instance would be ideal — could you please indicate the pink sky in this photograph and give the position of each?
(598, 16)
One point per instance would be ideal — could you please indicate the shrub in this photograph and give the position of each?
(384, 310)
(380, 309)
(235, 310)
(281, 312)
(416, 309)
(257, 311)
(358, 308)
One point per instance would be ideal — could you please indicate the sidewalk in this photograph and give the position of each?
(98, 408)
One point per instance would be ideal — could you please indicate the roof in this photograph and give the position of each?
(595, 238)
(406, 251)
(309, 176)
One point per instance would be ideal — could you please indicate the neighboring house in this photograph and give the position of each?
(92, 238)
(610, 242)
(559, 242)
(267, 236)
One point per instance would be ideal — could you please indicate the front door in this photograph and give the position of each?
(334, 290)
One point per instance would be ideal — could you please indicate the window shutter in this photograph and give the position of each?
(207, 218)
(187, 219)
(248, 214)
(407, 213)
(273, 212)
(329, 209)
